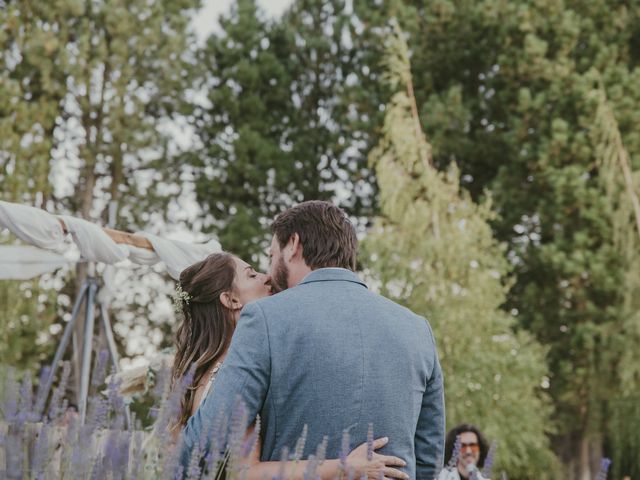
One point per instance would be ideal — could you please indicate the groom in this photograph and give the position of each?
(328, 353)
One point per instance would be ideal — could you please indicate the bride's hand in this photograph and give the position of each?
(379, 464)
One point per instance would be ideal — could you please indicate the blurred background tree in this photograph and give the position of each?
(433, 250)
(286, 120)
(504, 89)
(87, 91)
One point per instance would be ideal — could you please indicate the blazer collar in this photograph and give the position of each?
(332, 275)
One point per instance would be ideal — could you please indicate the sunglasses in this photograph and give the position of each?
(474, 447)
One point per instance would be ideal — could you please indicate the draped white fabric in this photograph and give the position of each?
(39, 228)
(24, 262)
(179, 255)
(32, 225)
(94, 244)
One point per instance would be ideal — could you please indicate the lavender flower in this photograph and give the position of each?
(100, 369)
(41, 398)
(488, 462)
(115, 400)
(55, 406)
(605, 463)
(453, 461)
(251, 442)
(194, 470)
(215, 460)
(299, 450)
(98, 413)
(370, 442)
(25, 399)
(116, 452)
(312, 466)
(283, 462)
(321, 451)
(82, 458)
(344, 451)
(136, 455)
(40, 452)
(10, 400)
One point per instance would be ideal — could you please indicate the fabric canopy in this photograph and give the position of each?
(43, 230)
(24, 262)
(32, 225)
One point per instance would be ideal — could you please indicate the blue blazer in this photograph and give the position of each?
(330, 354)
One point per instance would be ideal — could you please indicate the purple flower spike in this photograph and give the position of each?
(283, 459)
(41, 399)
(302, 440)
(10, 400)
(26, 398)
(453, 461)
(100, 370)
(344, 451)
(321, 451)
(55, 406)
(488, 462)
(605, 463)
(370, 442)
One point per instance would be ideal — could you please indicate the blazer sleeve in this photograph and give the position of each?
(429, 439)
(245, 374)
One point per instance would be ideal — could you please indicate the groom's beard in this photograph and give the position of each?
(279, 281)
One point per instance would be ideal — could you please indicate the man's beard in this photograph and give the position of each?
(280, 279)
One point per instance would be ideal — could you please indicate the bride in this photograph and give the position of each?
(211, 294)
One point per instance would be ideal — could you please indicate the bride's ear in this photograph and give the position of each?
(230, 301)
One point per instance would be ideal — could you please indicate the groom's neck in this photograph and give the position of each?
(297, 274)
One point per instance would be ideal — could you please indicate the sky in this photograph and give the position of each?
(207, 20)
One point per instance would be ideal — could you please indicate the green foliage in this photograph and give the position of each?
(506, 90)
(86, 89)
(27, 313)
(286, 121)
(434, 251)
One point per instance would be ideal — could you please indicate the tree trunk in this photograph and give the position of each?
(590, 456)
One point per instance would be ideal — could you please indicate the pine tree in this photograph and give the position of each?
(433, 250)
(621, 188)
(504, 89)
(287, 120)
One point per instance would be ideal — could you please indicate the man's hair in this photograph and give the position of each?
(450, 442)
(327, 236)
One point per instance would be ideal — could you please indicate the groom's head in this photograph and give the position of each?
(309, 236)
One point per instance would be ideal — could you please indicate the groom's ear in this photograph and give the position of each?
(295, 247)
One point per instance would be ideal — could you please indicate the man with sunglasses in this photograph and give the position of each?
(469, 456)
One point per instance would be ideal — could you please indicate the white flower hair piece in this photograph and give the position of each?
(180, 297)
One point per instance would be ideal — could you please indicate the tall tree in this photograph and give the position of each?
(90, 89)
(285, 120)
(433, 250)
(621, 189)
(27, 120)
(503, 89)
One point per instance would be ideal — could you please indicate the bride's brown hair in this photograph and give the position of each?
(205, 332)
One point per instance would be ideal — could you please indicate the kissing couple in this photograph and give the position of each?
(309, 345)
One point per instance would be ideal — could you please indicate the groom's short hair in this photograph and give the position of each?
(327, 236)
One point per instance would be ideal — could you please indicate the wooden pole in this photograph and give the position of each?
(120, 237)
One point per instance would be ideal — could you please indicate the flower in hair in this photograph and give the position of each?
(180, 297)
